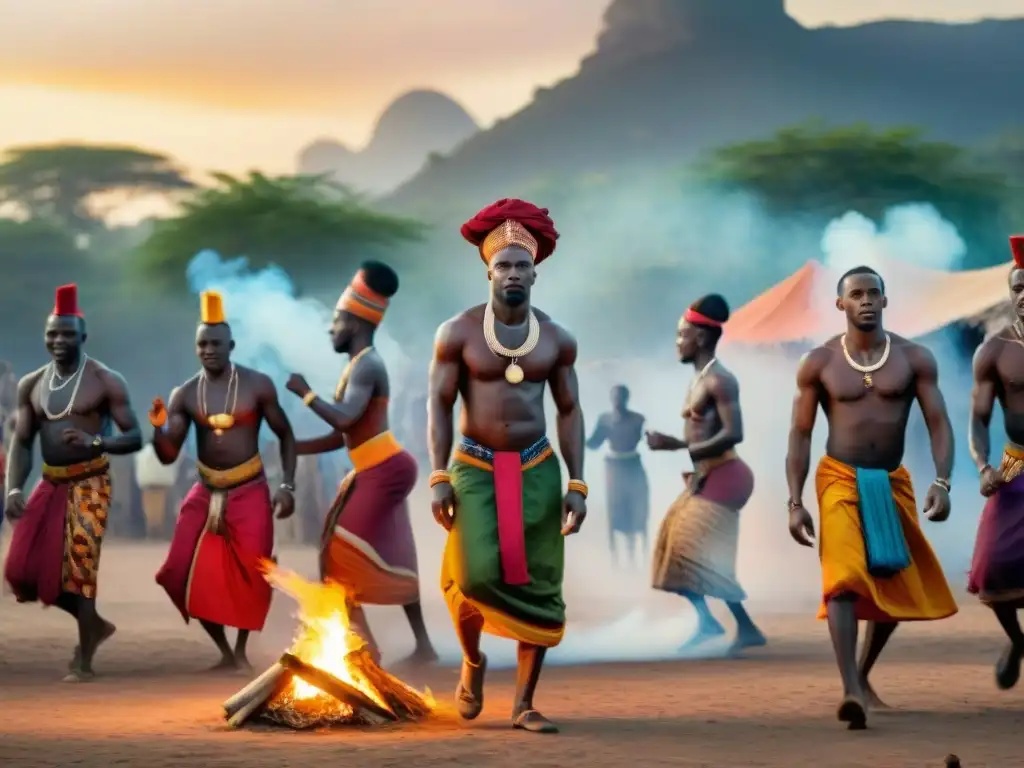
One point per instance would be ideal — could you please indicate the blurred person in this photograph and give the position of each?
(500, 496)
(224, 533)
(876, 563)
(156, 481)
(627, 495)
(997, 568)
(69, 404)
(695, 553)
(368, 545)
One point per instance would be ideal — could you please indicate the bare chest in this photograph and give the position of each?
(894, 382)
(54, 399)
(624, 429)
(699, 403)
(484, 364)
(1010, 369)
(217, 399)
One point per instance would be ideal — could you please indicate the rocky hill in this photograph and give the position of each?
(670, 78)
(409, 131)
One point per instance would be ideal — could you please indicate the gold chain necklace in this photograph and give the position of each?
(867, 370)
(343, 381)
(220, 421)
(513, 373)
(697, 380)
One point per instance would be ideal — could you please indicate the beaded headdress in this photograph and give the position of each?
(509, 233)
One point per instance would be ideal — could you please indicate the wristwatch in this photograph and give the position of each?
(97, 442)
(289, 488)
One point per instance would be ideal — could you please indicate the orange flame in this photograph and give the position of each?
(325, 637)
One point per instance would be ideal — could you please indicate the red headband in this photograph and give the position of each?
(694, 317)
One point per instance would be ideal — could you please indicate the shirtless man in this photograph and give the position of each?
(695, 554)
(626, 482)
(55, 549)
(501, 499)
(997, 570)
(866, 381)
(225, 528)
(367, 544)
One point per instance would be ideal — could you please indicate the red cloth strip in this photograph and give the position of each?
(696, 318)
(508, 493)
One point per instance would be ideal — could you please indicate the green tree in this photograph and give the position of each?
(299, 222)
(814, 172)
(75, 184)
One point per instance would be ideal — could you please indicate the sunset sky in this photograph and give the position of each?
(234, 84)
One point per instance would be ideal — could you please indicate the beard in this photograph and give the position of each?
(515, 297)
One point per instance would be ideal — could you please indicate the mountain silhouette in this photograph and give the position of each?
(671, 78)
(415, 126)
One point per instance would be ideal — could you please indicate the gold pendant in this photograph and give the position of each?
(513, 374)
(868, 381)
(220, 421)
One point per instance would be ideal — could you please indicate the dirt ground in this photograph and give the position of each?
(154, 707)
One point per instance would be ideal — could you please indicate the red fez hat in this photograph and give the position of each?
(1017, 246)
(66, 301)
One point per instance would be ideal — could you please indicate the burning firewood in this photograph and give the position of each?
(328, 677)
(339, 689)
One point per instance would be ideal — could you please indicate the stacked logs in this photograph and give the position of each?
(266, 697)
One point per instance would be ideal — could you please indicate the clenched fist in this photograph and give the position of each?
(158, 413)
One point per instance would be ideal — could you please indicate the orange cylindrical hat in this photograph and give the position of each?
(362, 301)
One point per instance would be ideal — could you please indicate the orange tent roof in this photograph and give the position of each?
(802, 307)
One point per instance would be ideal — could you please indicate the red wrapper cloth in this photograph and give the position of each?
(218, 577)
(535, 220)
(56, 544)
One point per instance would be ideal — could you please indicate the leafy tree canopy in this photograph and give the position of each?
(818, 172)
(68, 182)
(298, 222)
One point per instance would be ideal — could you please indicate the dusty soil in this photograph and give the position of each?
(154, 707)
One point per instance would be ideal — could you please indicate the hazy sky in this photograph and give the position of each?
(232, 84)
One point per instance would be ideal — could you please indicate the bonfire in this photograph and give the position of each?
(328, 676)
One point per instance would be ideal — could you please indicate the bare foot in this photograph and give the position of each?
(226, 663)
(701, 636)
(748, 638)
(421, 657)
(469, 694)
(106, 632)
(853, 712)
(1008, 667)
(242, 664)
(79, 676)
(533, 721)
(872, 698)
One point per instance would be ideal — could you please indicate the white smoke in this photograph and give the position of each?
(614, 614)
(277, 332)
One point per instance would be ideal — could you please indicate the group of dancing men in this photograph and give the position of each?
(499, 492)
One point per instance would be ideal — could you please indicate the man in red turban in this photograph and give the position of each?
(511, 222)
(54, 556)
(501, 496)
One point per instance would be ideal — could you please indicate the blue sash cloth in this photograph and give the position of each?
(884, 542)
